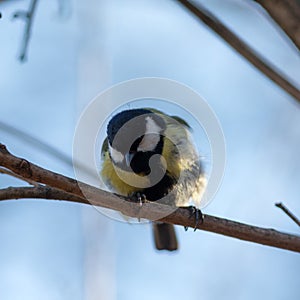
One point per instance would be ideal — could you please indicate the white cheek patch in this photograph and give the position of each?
(116, 155)
(149, 142)
(152, 127)
(152, 136)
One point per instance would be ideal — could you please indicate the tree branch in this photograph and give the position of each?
(38, 192)
(286, 13)
(64, 188)
(241, 47)
(10, 173)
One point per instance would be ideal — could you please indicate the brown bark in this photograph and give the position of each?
(60, 187)
(286, 13)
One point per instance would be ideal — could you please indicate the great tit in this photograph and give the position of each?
(134, 137)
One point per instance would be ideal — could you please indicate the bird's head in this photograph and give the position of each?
(133, 137)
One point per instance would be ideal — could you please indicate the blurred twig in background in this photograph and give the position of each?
(59, 187)
(28, 17)
(290, 214)
(240, 46)
(47, 148)
(64, 8)
(286, 13)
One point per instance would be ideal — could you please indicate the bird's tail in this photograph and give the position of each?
(165, 236)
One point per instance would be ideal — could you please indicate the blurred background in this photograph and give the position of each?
(58, 250)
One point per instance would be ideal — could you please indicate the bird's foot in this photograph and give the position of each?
(137, 197)
(197, 214)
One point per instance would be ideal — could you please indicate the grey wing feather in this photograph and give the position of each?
(181, 121)
(192, 185)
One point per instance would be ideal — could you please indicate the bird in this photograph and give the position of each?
(135, 137)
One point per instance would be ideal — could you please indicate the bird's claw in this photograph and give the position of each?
(138, 197)
(197, 213)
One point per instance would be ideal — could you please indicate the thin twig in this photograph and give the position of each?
(83, 193)
(64, 8)
(49, 149)
(39, 192)
(244, 49)
(288, 212)
(10, 173)
(28, 17)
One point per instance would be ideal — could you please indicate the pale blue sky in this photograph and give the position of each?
(53, 250)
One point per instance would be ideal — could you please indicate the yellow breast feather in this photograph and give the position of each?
(113, 180)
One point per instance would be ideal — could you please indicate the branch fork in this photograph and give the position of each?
(50, 185)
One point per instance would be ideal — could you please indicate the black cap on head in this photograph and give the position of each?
(133, 128)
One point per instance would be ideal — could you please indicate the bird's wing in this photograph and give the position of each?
(181, 121)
